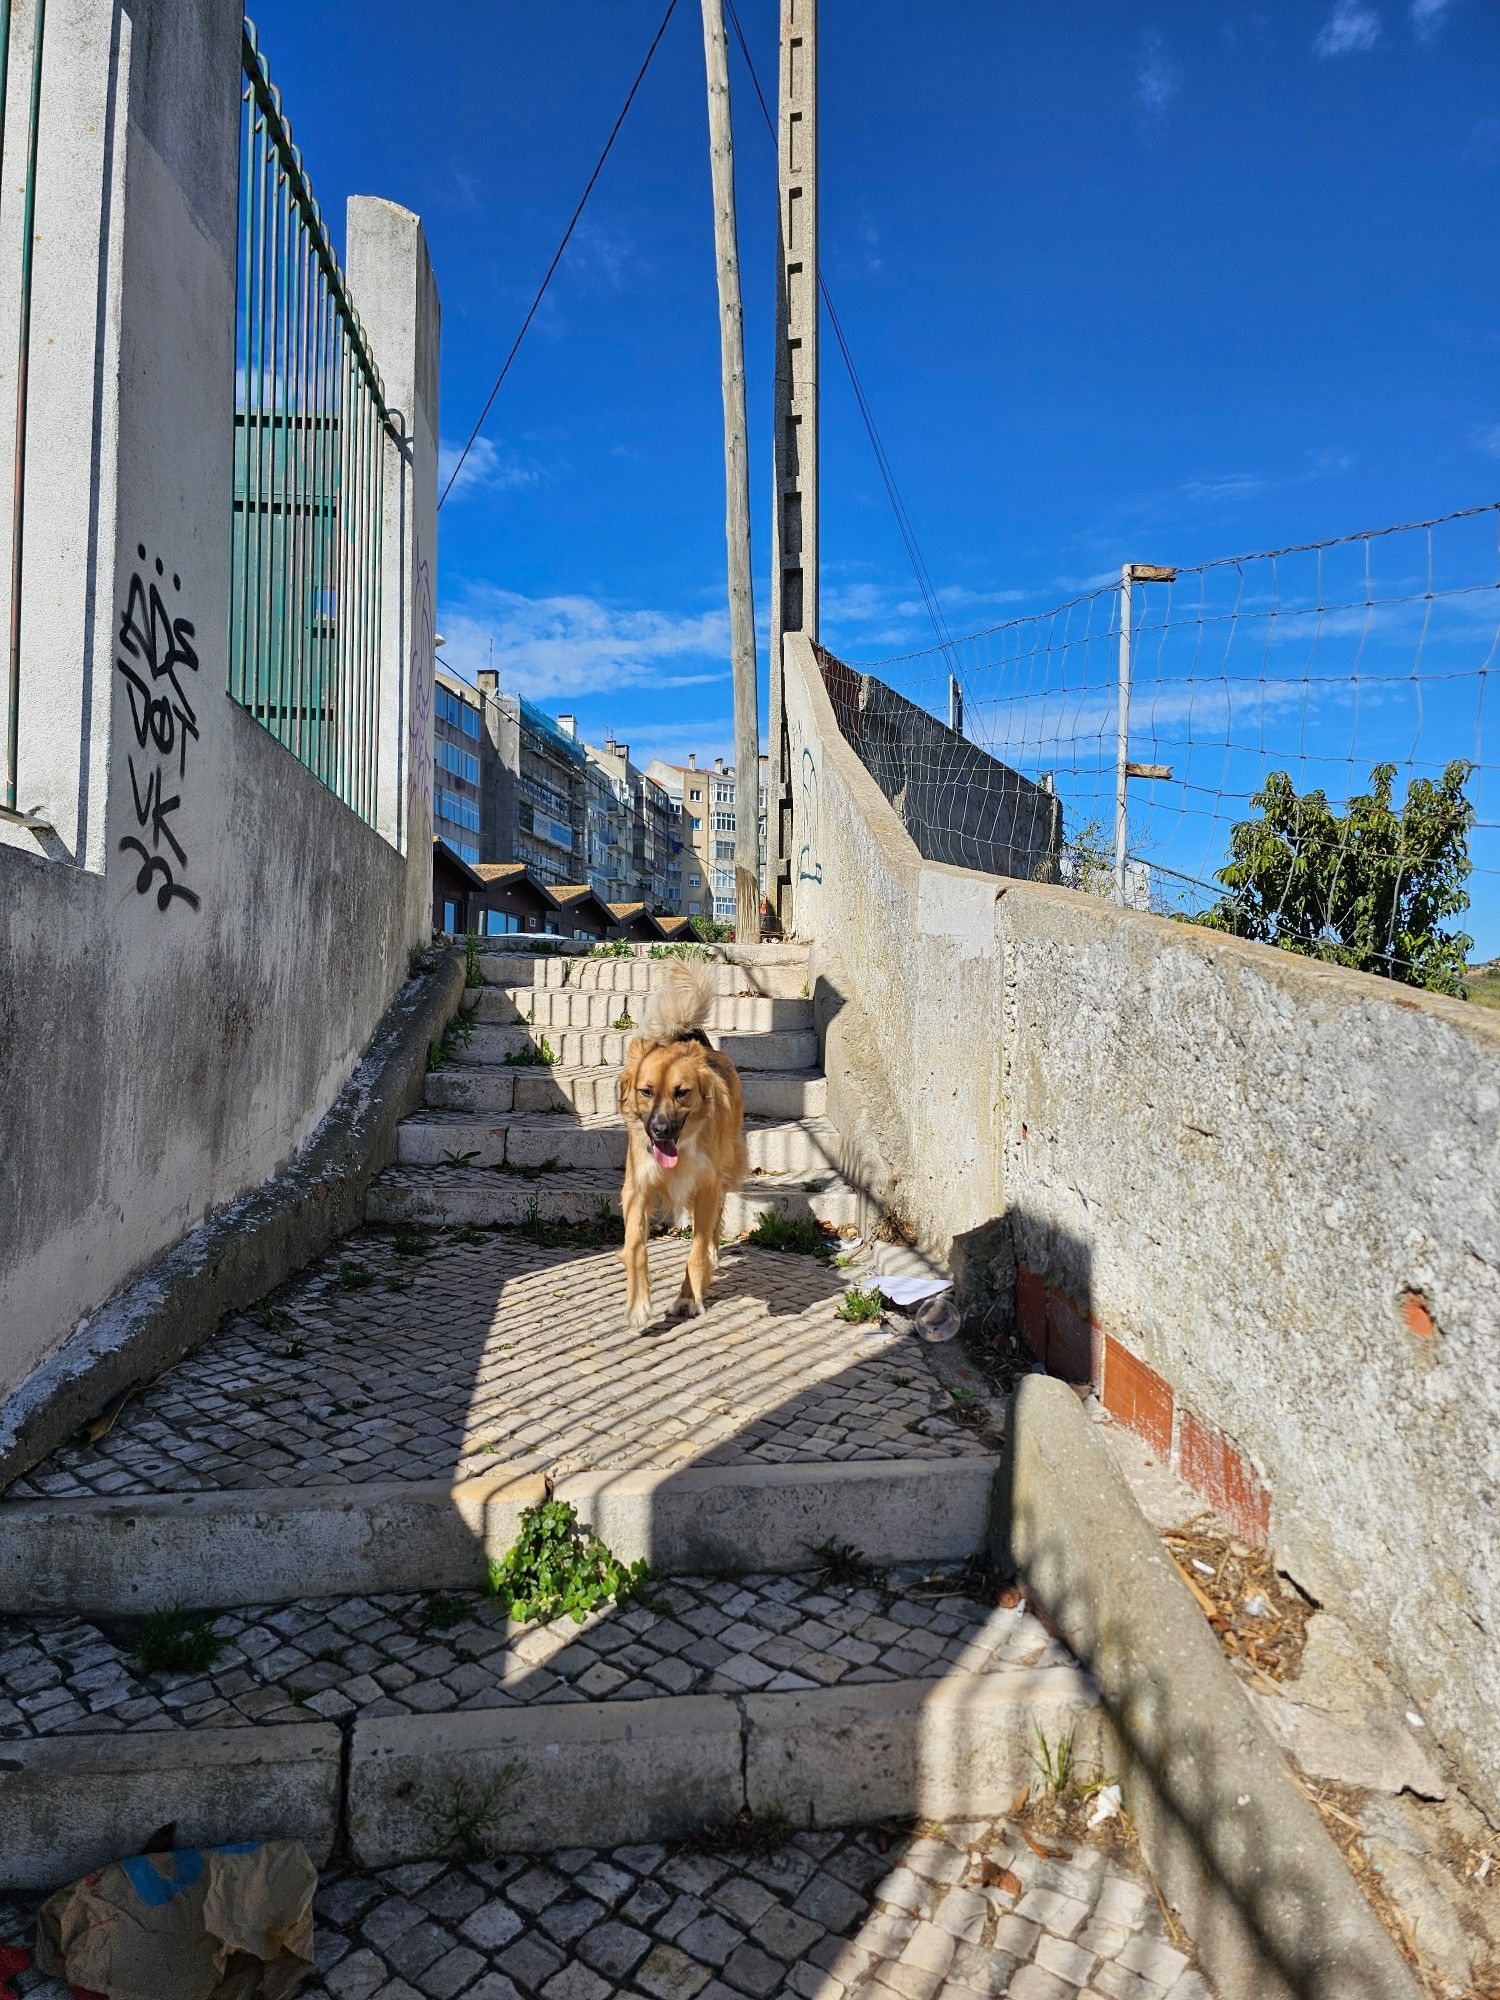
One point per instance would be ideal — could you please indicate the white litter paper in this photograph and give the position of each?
(912, 1291)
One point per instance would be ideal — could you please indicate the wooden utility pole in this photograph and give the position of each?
(794, 591)
(736, 484)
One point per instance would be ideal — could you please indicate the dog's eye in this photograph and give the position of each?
(647, 1091)
(680, 1091)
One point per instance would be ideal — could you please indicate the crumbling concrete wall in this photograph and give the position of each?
(1255, 1201)
(197, 938)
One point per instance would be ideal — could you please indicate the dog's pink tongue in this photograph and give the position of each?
(665, 1156)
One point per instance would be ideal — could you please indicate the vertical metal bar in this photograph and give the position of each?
(955, 706)
(1122, 734)
(297, 281)
(319, 484)
(239, 548)
(23, 368)
(284, 306)
(275, 698)
(383, 447)
(344, 629)
(367, 595)
(259, 662)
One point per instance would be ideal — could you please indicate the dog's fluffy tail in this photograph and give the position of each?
(679, 1002)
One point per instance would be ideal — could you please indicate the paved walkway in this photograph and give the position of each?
(490, 1350)
(968, 1911)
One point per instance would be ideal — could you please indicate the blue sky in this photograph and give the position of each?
(1158, 283)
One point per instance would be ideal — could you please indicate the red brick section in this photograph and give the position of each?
(1137, 1397)
(1031, 1311)
(1213, 1465)
(1075, 1346)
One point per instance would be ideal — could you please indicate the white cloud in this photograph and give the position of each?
(1487, 438)
(1157, 78)
(1351, 27)
(484, 466)
(575, 645)
(1428, 16)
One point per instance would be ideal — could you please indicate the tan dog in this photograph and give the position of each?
(685, 1116)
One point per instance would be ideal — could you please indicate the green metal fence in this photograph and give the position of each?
(27, 191)
(311, 429)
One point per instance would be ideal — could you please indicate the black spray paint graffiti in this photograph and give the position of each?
(156, 647)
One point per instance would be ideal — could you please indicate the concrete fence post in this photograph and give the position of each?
(392, 284)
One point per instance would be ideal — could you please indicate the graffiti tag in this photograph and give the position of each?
(156, 651)
(418, 735)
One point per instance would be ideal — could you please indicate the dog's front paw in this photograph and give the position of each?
(687, 1307)
(639, 1316)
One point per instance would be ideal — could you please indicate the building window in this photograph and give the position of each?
(723, 850)
(696, 796)
(500, 923)
(697, 825)
(723, 822)
(450, 915)
(460, 763)
(452, 805)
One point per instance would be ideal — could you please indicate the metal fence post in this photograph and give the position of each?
(955, 706)
(1122, 732)
(1130, 574)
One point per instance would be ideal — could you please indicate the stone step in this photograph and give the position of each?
(594, 1048)
(836, 1700)
(561, 1007)
(485, 1090)
(438, 1138)
(639, 975)
(476, 1198)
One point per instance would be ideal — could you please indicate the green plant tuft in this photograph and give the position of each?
(454, 1037)
(463, 1820)
(603, 1227)
(616, 948)
(556, 1567)
(177, 1642)
(354, 1277)
(802, 1234)
(472, 974)
(407, 1245)
(760, 1834)
(840, 1562)
(1055, 1762)
(860, 1305)
(534, 1055)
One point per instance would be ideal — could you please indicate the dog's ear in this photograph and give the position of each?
(635, 1054)
(716, 1094)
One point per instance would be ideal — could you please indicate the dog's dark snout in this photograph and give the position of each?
(663, 1127)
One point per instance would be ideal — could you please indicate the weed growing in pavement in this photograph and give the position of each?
(603, 1227)
(622, 1021)
(802, 1234)
(759, 1834)
(425, 957)
(455, 1159)
(551, 1165)
(441, 1614)
(406, 1245)
(272, 1318)
(840, 1562)
(860, 1305)
(354, 1277)
(616, 948)
(463, 1820)
(467, 1234)
(1055, 1762)
(472, 975)
(177, 1642)
(534, 1055)
(294, 1350)
(678, 951)
(454, 1037)
(557, 1566)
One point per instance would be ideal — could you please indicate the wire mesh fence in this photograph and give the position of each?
(1303, 757)
(311, 430)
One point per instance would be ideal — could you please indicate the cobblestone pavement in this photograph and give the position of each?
(830, 1914)
(489, 1350)
(324, 1659)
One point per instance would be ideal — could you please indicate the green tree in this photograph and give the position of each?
(1369, 887)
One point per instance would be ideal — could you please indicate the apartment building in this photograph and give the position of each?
(535, 786)
(709, 807)
(646, 822)
(457, 742)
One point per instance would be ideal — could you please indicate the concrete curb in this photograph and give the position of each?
(1233, 1843)
(216, 1551)
(240, 1252)
(727, 1520)
(71, 1803)
(600, 1774)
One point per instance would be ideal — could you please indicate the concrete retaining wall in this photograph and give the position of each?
(1255, 1200)
(177, 1016)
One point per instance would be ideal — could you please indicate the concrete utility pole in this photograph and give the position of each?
(736, 484)
(794, 597)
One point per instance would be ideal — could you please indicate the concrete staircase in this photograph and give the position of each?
(524, 1120)
(324, 1483)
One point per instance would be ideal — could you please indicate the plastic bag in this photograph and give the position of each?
(205, 1923)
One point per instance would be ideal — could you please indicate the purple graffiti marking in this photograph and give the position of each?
(419, 707)
(156, 650)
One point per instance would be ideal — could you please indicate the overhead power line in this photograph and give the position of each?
(882, 460)
(557, 255)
